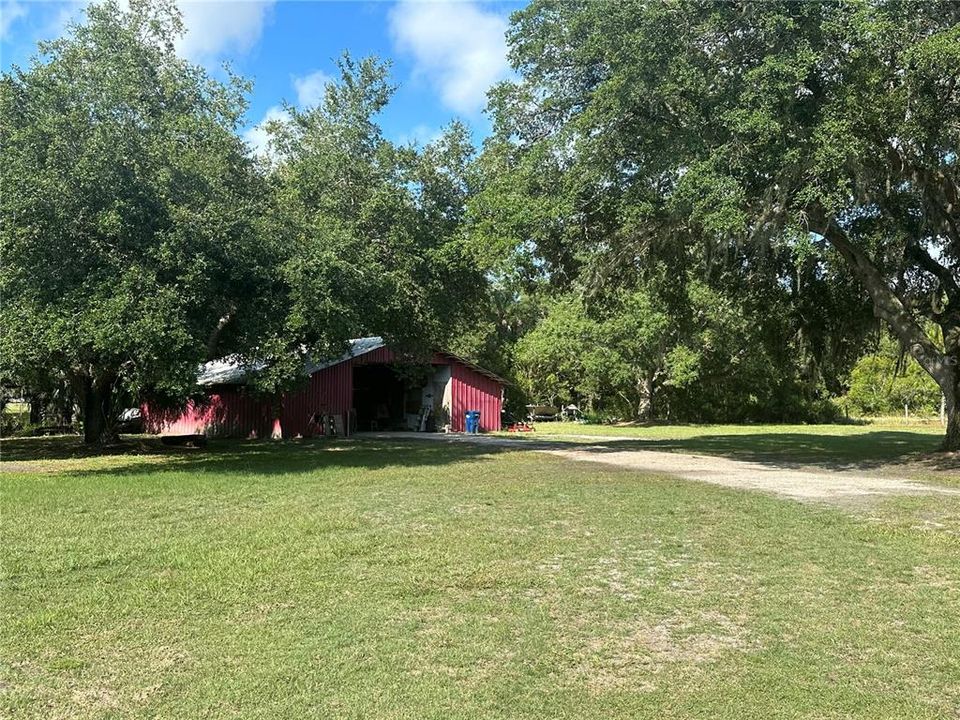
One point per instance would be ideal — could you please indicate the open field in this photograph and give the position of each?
(401, 580)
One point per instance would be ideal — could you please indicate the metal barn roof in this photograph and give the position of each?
(231, 370)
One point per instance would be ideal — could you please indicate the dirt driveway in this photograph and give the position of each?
(799, 484)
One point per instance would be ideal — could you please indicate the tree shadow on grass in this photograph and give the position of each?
(144, 454)
(861, 451)
(71, 447)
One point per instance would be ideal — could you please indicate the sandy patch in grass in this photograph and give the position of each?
(633, 654)
(796, 484)
(103, 683)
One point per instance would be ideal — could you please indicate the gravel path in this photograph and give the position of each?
(799, 484)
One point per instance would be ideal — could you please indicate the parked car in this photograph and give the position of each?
(131, 421)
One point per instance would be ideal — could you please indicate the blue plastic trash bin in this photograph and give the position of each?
(472, 421)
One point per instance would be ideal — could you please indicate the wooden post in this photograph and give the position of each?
(276, 433)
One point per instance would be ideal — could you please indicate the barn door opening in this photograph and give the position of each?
(378, 395)
(393, 397)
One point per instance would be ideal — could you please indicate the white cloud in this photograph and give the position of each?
(310, 88)
(55, 24)
(213, 28)
(257, 137)
(218, 28)
(458, 47)
(10, 12)
(420, 135)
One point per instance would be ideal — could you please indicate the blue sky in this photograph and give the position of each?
(445, 54)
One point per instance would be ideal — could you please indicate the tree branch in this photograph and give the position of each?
(947, 279)
(886, 304)
(214, 339)
(940, 191)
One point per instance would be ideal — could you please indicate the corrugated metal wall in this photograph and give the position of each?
(232, 412)
(329, 392)
(474, 391)
(380, 356)
(228, 412)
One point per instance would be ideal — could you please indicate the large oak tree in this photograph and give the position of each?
(748, 124)
(129, 212)
(370, 230)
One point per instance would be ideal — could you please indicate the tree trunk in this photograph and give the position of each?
(646, 390)
(950, 326)
(98, 412)
(214, 340)
(949, 380)
(36, 410)
(951, 408)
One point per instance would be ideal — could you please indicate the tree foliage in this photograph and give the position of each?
(141, 239)
(129, 210)
(687, 211)
(369, 230)
(723, 138)
(696, 357)
(889, 381)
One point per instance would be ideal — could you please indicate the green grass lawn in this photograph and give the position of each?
(834, 446)
(419, 580)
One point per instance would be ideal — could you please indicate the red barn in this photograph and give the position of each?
(365, 389)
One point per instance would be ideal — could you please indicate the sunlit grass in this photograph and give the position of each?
(420, 580)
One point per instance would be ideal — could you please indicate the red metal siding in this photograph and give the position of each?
(228, 412)
(380, 356)
(329, 392)
(384, 355)
(473, 391)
